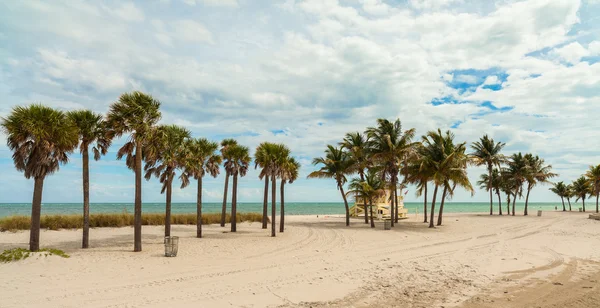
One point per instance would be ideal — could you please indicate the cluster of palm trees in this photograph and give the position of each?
(383, 153)
(586, 186)
(42, 139)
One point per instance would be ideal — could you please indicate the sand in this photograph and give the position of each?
(474, 260)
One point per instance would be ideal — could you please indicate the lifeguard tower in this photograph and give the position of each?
(381, 207)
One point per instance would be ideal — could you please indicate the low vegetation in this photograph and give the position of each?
(55, 222)
(16, 254)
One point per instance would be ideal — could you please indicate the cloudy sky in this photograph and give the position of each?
(306, 72)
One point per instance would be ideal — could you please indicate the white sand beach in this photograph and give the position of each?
(474, 260)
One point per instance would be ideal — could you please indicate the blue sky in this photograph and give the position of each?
(305, 73)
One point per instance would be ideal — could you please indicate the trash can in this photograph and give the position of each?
(387, 224)
(580, 209)
(171, 245)
(539, 213)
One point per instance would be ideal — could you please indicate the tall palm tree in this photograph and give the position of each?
(288, 171)
(225, 145)
(356, 144)
(581, 190)
(237, 165)
(570, 193)
(486, 153)
(560, 189)
(537, 173)
(593, 176)
(417, 172)
(496, 182)
(200, 159)
(517, 168)
(92, 131)
(135, 114)
(336, 165)
(390, 148)
(164, 155)
(371, 187)
(41, 139)
(278, 155)
(262, 158)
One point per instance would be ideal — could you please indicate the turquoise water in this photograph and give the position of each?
(291, 208)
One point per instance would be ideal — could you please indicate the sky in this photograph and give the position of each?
(306, 72)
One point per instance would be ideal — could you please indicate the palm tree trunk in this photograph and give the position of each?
(499, 203)
(281, 211)
(392, 203)
(396, 203)
(137, 212)
(439, 221)
(36, 211)
(515, 201)
(86, 197)
(371, 207)
(563, 203)
(265, 202)
(583, 200)
(569, 200)
(425, 205)
(168, 207)
(597, 195)
(527, 199)
(433, 207)
(362, 179)
(199, 209)
(224, 209)
(345, 203)
(490, 188)
(508, 204)
(273, 205)
(234, 203)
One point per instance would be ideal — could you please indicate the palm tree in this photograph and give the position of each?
(225, 145)
(416, 172)
(288, 174)
(236, 165)
(336, 165)
(371, 187)
(41, 139)
(560, 189)
(135, 113)
(593, 176)
(262, 158)
(277, 156)
(517, 169)
(570, 193)
(495, 183)
(537, 173)
(356, 145)
(486, 152)
(581, 189)
(200, 159)
(92, 131)
(164, 155)
(509, 187)
(390, 148)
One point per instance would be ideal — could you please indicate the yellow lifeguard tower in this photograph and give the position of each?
(381, 207)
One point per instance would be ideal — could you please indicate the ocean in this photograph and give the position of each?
(291, 208)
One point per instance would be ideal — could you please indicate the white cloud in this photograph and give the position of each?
(571, 53)
(218, 3)
(129, 12)
(191, 31)
(491, 80)
(594, 48)
(470, 79)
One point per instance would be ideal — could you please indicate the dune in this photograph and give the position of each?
(474, 260)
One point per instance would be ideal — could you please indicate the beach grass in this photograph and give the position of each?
(56, 222)
(16, 254)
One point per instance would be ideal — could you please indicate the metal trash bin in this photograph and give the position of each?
(539, 213)
(171, 246)
(387, 224)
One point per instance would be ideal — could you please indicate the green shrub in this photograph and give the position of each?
(16, 254)
(55, 222)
